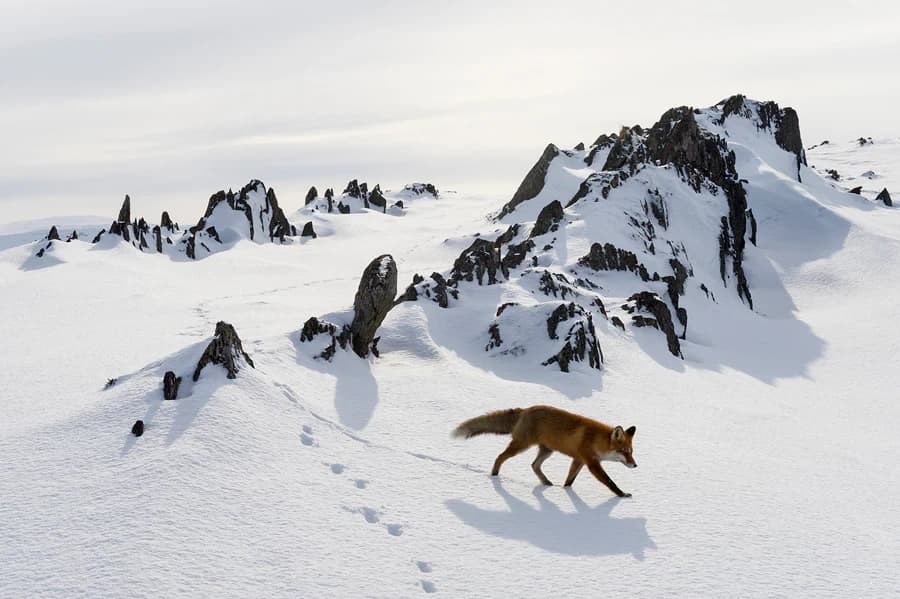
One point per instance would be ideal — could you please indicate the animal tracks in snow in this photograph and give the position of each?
(370, 514)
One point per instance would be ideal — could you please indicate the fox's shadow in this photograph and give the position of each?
(586, 531)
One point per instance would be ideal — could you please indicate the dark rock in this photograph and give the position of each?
(125, 211)
(120, 225)
(494, 334)
(342, 208)
(504, 306)
(353, 190)
(73, 236)
(329, 197)
(279, 227)
(548, 219)
(211, 231)
(308, 231)
(53, 234)
(314, 327)
(98, 236)
(442, 291)
(110, 383)
(609, 257)
(752, 220)
(533, 182)
(649, 302)
(166, 221)
(516, 254)
(480, 258)
(863, 141)
(170, 385)
(675, 283)
(225, 349)
(507, 235)
(616, 321)
(376, 198)
(311, 195)
(137, 429)
(580, 147)
(374, 298)
(885, 197)
(157, 235)
(399, 204)
(556, 284)
(857, 190)
(580, 341)
(833, 174)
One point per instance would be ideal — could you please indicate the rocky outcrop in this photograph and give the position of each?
(279, 227)
(647, 301)
(580, 341)
(170, 385)
(609, 257)
(376, 198)
(752, 220)
(885, 197)
(308, 230)
(53, 234)
(515, 255)
(783, 122)
(533, 182)
(421, 189)
(120, 225)
(311, 196)
(480, 259)
(340, 336)
(374, 298)
(226, 350)
(137, 429)
(549, 218)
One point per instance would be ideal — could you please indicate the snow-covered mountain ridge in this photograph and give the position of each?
(766, 442)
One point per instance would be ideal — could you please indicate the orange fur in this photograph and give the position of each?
(586, 441)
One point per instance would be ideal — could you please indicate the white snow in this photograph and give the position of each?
(767, 457)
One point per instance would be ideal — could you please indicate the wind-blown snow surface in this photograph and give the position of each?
(767, 457)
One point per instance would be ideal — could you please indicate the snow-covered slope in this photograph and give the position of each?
(766, 449)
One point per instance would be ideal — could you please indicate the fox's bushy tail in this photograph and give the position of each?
(500, 422)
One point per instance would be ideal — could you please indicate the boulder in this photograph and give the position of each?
(308, 231)
(885, 197)
(226, 350)
(857, 190)
(170, 385)
(548, 219)
(137, 429)
(311, 195)
(374, 298)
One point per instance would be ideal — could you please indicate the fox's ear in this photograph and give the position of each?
(630, 431)
(618, 434)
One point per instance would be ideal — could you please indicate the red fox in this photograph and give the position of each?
(588, 442)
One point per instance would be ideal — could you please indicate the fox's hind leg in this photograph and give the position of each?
(574, 469)
(514, 448)
(544, 452)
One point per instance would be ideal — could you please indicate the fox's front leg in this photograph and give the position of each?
(598, 471)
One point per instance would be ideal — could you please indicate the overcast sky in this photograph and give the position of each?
(170, 101)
